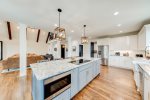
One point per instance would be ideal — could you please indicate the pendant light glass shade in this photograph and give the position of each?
(60, 32)
(84, 39)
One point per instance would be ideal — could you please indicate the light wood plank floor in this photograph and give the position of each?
(112, 84)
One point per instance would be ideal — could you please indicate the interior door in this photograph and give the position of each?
(92, 49)
(63, 51)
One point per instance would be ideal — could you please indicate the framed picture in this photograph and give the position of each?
(73, 48)
(1, 50)
(55, 49)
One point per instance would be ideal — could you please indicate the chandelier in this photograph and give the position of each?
(60, 32)
(84, 39)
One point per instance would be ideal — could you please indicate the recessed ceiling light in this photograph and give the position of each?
(72, 31)
(55, 25)
(116, 13)
(120, 31)
(119, 25)
(18, 27)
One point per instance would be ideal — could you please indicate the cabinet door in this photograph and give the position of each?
(94, 69)
(142, 39)
(97, 67)
(82, 79)
(146, 87)
(133, 42)
(63, 96)
(74, 82)
(89, 74)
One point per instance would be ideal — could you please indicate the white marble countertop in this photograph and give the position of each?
(144, 64)
(49, 69)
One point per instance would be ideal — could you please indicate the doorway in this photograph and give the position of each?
(63, 51)
(92, 49)
(80, 50)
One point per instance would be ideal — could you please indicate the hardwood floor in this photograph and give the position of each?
(112, 84)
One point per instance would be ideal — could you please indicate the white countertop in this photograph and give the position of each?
(144, 64)
(49, 69)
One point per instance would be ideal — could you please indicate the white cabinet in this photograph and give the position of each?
(104, 41)
(120, 61)
(82, 78)
(123, 43)
(63, 96)
(136, 75)
(133, 42)
(88, 72)
(146, 87)
(74, 82)
(96, 68)
(144, 37)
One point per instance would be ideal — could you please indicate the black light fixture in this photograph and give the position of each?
(60, 32)
(84, 39)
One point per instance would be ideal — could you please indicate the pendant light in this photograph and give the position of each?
(84, 39)
(60, 32)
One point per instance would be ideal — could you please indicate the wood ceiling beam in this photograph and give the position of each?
(47, 37)
(9, 30)
(38, 36)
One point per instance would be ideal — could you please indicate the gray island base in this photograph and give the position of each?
(62, 79)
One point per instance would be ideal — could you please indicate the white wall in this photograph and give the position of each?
(52, 45)
(75, 43)
(86, 50)
(11, 47)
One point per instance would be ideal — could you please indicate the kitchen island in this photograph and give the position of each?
(62, 79)
(142, 77)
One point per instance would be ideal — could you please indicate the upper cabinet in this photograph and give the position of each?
(124, 43)
(104, 41)
(144, 37)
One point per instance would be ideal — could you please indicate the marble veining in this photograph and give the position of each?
(144, 64)
(49, 69)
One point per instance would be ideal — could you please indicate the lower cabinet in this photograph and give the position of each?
(74, 82)
(82, 78)
(96, 68)
(146, 87)
(87, 73)
(64, 96)
(82, 75)
(120, 61)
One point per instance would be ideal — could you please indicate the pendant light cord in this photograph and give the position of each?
(59, 19)
(84, 29)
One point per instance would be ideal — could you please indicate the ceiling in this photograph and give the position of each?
(96, 14)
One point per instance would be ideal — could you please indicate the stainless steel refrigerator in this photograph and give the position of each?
(103, 53)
